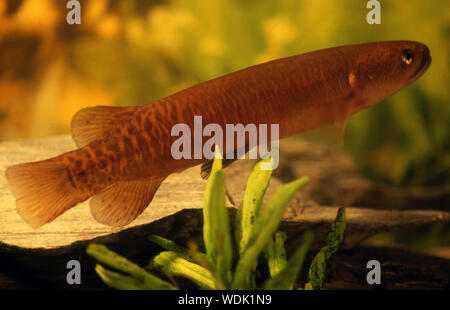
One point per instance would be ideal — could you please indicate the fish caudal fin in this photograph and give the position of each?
(121, 203)
(42, 189)
(93, 123)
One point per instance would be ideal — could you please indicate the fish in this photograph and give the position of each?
(124, 153)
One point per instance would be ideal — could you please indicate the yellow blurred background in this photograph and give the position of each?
(128, 52)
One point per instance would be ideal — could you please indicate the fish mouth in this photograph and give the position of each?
(425, 63)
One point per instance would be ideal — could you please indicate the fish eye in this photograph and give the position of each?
(407, 56)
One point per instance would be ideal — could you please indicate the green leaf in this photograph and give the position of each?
(170, 246)
(335, 236)
(216, 229)
(237, 225)
(198, 257)
(275, 254)
(334, 240)
(193, 255)
(174, 265)
(265, 226)
(120, 281)
(257, 184)
(286, 279)
(112, 259)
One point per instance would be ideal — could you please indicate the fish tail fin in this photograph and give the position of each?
(43, 190)
(93, 123)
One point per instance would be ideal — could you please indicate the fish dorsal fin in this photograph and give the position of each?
(92, 123)
(121, 203)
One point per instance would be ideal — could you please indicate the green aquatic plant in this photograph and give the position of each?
(255, 236)
(334, 240)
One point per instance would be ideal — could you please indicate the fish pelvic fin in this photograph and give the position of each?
(93, 123)
(43, 190)
(120, 203)
(206, 167)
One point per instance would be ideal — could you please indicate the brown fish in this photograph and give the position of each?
(125, 152)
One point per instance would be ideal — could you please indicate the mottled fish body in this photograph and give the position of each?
(125, 152)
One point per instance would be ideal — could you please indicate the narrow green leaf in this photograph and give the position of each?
(257, 184)
(198, 257)
(265, 226)
(334, 240)
(193, 255)
(216, 229)
(335, 236)
(276, 254)
(224, 249)
(174, 265)
(112, 259)
(285, 279)
(170, 246)
(237, 225)
(214, 195)
(119, 281)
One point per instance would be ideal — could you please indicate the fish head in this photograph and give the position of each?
(384, 68)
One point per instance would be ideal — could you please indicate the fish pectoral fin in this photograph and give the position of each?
(339, 129)
(121, 203)
(92, 123)
(348, 103)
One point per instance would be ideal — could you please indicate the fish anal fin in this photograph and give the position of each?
(92, 123)
(119, 204)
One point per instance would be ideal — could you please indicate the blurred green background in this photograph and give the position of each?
(129, 52)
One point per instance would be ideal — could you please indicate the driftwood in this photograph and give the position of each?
(37, 258)
(46, 268)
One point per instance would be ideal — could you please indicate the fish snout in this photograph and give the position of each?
(425, 61)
